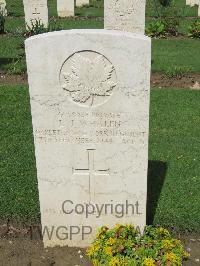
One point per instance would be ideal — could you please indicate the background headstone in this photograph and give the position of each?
(36, 10)
(65, 8)
(90, 115)
(125, 15)
(82, 2)
(193, 3)
(3, 9)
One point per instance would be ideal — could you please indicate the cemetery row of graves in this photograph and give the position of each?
(177, 24)
(173, 179)
(174, 126)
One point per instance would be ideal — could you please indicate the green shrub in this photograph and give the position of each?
(172, 10)
(165, 3)
(97, 3)
(125, 246)
(36, 27)
(194, 29)
(171, 26)
(54, 25)
(156, 29)
(2, 23)
(163, 27)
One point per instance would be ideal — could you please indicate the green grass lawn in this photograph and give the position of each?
(174, 168)
(18, 190)
(166, 54)
(179, 8)
(174, 140)
(15, 8)
(17, 24)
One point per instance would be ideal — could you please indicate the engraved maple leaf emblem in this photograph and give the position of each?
(88, 78)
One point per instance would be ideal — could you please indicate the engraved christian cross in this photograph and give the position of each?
(91, 172)
(36, 12)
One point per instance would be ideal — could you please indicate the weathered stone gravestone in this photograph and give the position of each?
(82, 2)
(3, 9)
(90, 115)
(193, 3)
(125, 15)
(36, 10)
(65, 8)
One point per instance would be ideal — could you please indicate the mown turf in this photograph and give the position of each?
(174, 169)
(18, 183)
(17, 25)
(174, 140)
(177, 8)
(9, 50)
(16, 9)
(166, 54)
(153, 8)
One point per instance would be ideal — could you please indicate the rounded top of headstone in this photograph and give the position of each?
(89, 32)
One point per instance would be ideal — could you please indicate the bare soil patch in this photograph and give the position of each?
(13, 79)
(24, 247)
(188, 81)
(158, 80)
(26, 252)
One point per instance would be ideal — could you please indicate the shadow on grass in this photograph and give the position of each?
(6, 61)
(156, 176)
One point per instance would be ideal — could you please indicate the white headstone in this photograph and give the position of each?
(65, 8)
(90, 115)
(193, 3)
(36, 10)
(125, 15)
(82, 2)
(3, 9)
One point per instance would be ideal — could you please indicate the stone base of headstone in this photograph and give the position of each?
(193, 3)
(125, 15)
(80, 3)
(3, 9)
(65, 8)
(35, 11)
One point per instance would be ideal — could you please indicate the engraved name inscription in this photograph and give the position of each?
(95, 127)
